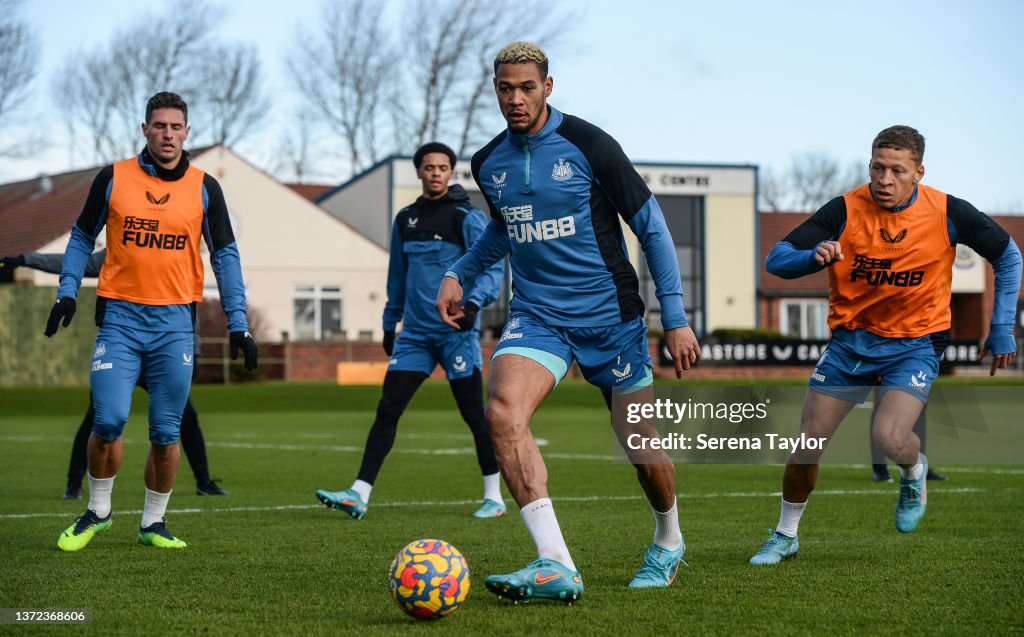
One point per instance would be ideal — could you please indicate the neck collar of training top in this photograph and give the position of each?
(913, 198)
(456, 194)
(554, 121)
(147, 163)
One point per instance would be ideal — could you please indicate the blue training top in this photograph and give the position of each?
(555, 199)
(426, 238)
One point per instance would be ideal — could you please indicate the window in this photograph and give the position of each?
(804, 318)
(317, 312)
(684, 216)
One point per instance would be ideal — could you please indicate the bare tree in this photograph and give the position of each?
(772, 190)
(811, 180)
(343, 72)
(448, 63)
(438, 37)
(87, 99)
(234, 102)
(102, 94)
(295, 159)
(19, 50)
(348, 71)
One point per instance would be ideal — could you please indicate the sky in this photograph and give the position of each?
(718, 81)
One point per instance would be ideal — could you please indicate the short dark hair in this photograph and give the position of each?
(432, 147)
(901, 138)
(166, 99)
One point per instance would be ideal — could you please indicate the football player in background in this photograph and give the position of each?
(191, 435)
(155, 207)
(426, 238)
(889, 247)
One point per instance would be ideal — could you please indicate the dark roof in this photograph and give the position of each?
(310, 191)
(34, 212)
(37, 211)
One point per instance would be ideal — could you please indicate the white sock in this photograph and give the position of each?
(666, 528)
(155, 507)
(915, 472)
(363, 488)
(540, 520)
(790, 518)
(99, 495)
(492, 488)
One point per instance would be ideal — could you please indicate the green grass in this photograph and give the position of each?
(269, 560)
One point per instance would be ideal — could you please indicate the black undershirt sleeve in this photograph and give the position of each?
(613, 171)
(976, 230)
(824, 225)
(478, 159)
(94, 210)
(217, 214)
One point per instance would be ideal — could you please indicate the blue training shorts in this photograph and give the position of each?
(612, 358)
(457, 352)
(856, 361)
(165, 361)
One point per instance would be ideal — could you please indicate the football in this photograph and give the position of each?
(429, 579)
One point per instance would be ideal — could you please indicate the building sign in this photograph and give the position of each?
(699, 180)
(662, 180)
(736, 352)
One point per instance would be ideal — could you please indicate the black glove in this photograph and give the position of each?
(468, 320)
(245, 342)
(9, 263)
(64, 308)
(389, 342)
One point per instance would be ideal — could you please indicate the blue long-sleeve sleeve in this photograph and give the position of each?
(394, 308)
(787, 262)
(1007, 268)
(76, 257)
(227, 268)
(484, 288)
(83, 235)
(967, 225)
(224, 257)
(793, 257)
(650, 228)
(491, 247)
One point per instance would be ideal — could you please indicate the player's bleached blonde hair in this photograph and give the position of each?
(520, 52)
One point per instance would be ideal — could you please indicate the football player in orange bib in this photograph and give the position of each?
(889, 247)
(155, 207)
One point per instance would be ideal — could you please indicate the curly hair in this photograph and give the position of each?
(901, 138)
(522, 53)
(432, 147)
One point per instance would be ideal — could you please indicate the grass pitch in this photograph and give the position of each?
(269, 559)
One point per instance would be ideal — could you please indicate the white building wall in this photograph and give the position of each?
(730, 265)
(286, 240)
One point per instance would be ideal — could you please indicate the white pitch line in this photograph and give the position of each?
(466, 451)
(582, 498)
(455, 451)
